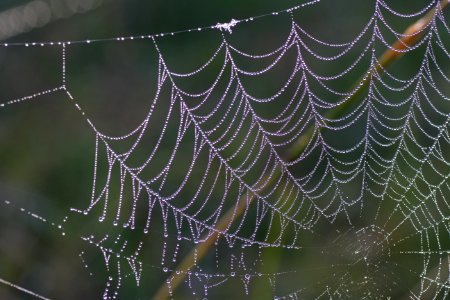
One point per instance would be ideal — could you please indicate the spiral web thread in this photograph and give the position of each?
(237, 141)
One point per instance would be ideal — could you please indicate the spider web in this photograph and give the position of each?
(212, 163)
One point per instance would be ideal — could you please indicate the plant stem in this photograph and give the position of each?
(411, 36)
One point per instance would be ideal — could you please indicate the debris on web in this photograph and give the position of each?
(227, 26)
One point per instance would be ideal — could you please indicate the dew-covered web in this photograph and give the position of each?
(318, 152)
